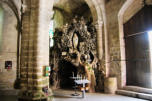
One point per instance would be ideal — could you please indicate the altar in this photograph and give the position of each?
(75, 52)
(82, 82)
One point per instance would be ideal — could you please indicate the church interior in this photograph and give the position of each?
(75, 50)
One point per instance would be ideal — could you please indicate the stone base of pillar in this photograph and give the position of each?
(35, 96)
(110, 85)
(22, 99)
(17, 84)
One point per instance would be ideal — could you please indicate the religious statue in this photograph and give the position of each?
(75, 41)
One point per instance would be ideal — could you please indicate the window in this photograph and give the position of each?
(51, 33)
(150, 50)
(150, 43)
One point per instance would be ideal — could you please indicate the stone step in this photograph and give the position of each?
(134, 94)
(138, 89)
(9, 92)
(4, 86)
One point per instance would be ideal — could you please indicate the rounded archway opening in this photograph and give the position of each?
(64, 12)
(131, 15)
(137, 46)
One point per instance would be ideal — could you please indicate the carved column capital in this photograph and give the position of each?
(52, 14)
(98, 24)
(24, 8)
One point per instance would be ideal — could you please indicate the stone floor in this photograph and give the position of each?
(65, 95)
(8, 98)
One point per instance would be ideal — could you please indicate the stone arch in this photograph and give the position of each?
(41, 9)
(129, 9)
(97, 14)
(95, 10)
(12, 6)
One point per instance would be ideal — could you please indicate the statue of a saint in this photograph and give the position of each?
(75, 41)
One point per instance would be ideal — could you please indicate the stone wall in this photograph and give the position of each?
(59, 19)
(112, 9)
(8, 48)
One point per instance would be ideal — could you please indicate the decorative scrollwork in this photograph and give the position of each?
(77, 36)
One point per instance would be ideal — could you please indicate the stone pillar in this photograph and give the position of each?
(106, 38)
(110, 85)
(98, 26)
(122, 50)
(25, 47)
(35, 50)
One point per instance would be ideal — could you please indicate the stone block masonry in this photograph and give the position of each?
(35, 50)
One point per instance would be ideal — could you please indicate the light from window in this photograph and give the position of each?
(51, 34)
(150, 49)
(150, 41)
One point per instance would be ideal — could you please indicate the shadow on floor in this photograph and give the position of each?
(59, 95)
(8, 98)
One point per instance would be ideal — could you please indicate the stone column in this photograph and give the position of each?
(106, 38)
(122, 51)
(121, 21)
(25, 46)
(35, 51)
(98, 26)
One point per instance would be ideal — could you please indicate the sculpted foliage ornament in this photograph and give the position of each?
(77, 38)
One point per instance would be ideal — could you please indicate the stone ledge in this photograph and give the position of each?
(138, 89)
(9, 92)
(134, 94)
(28, 95)
(32, 100)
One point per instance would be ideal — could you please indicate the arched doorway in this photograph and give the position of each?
(135, 64)
(138, 65)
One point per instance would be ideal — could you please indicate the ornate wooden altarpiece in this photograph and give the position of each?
(77, 43)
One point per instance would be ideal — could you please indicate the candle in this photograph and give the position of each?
(73, 74)
(77, 76)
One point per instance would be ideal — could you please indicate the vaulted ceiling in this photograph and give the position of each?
(65, 10)
(72, 7)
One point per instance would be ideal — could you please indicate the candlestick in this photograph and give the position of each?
(73, 74)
